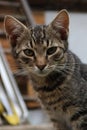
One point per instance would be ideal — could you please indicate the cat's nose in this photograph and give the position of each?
(41, 67)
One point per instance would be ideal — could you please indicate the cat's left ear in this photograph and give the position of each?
(13, 28)
(61, 24)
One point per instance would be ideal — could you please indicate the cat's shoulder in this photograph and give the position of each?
(83, 66)
(84, 71)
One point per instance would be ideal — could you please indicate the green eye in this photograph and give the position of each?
(51, 50)
(29, 52)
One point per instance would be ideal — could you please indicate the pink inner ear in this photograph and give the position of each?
(9, 25)
(63, 33)
(13, 39)
(11, 30)
(61, 24)
(61, 20)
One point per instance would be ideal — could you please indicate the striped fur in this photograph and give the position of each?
(58, 76)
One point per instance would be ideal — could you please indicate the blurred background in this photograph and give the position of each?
(40, 12)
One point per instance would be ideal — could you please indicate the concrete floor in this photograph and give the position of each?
(38, 117)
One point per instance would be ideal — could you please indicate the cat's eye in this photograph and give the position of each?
(51, 50)
(29, 52)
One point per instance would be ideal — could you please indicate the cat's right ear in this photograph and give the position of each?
(61, 24)
(13, 29)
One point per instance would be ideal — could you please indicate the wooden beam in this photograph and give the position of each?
(27, 127)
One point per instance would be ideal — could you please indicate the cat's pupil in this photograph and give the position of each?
(29, 52)
(51, 50)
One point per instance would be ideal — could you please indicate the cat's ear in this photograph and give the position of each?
(61, 24)
(13, 29)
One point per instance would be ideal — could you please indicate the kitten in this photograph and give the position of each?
(58, 76)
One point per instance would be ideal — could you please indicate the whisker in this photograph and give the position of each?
(20, 72)
(67, 70)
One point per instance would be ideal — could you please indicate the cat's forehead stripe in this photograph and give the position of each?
(31, 43)
(38, 34)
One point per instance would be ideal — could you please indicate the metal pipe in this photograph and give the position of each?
(28, 12)
(11, 87)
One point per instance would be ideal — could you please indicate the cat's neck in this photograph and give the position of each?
(37, 80)
(52, 80)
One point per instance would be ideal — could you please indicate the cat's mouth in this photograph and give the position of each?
(43, 72)
(40, 72)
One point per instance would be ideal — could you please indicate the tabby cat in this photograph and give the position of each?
(58, 76)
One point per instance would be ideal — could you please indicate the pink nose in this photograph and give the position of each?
(41, 67)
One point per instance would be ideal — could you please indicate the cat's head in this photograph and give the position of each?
(41, 49)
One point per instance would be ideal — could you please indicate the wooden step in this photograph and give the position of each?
(28, 127)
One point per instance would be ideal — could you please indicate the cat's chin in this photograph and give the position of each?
(40, 73)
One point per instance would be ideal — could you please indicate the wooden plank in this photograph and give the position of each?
(39, 17)
(31, 93)
(27, 127)
(5, 43)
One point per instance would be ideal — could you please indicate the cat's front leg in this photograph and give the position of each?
(60, 125)
(80, 124)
